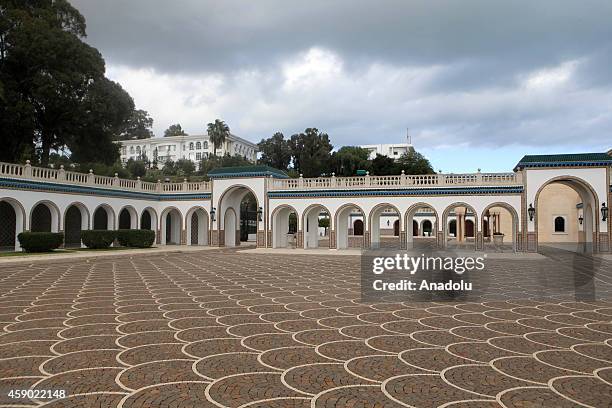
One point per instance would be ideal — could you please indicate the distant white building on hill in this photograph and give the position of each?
(393, 150)
(192, 147)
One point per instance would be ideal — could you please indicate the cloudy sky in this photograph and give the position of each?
(478, 83)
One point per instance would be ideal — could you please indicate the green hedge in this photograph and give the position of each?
(136, 238)
(98, 239)
(40, 241)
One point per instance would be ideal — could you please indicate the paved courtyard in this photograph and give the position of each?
(219, 328)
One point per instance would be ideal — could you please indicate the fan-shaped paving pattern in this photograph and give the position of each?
(224, 328)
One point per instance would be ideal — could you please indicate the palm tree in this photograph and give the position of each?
(217, 133)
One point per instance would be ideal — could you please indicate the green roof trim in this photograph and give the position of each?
(247, 171)
(565, 160)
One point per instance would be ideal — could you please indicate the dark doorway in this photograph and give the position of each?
(248, 217)
(125, 219)
(427, 228)
(469, 228)
(195, 224)
(41, 219)
(72, 227)
(452, 227)
(145, 220)
(8, 225)
(415, 228)
(100, 219)
(358, 227)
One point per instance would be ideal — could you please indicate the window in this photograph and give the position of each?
(131, 149)
(191, 146)
(205, 145)
(198, 156)
(198, 146)
(559, 224)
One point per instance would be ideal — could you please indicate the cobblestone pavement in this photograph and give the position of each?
(224, 329)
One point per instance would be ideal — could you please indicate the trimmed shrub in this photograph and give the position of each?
(40, 241)
(98, 239)
(136, 238)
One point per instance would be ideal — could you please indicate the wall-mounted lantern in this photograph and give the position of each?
(531, 212)
(604, 212)
(580, 219)
(259, 213)
(213, 211)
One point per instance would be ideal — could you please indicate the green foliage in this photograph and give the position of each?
(212, 162)
(349, 159)
(383, 166)
(40, 241)
(55, 94)
(324, 222)
(136, 168)
(275, 151)
(218, 132)
(174, 130)
(138, 126)
(311, 152)
(98, 239)
(136, 238)
(180, 168)
(413, 162)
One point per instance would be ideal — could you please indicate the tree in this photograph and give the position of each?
(102, 115)
(324, 223)
(311, 152)
(413, 162)
(275, 151)
(174, 130)
(138, 126)
(349, 159)
(136, 168)
(184, 167)
(384, 166)
(48, 75)
(218, 131)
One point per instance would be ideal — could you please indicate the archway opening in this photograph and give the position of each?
(284, 227)
(358, 228)
(383, 219)
(128, 218)
(426, 228)
(346, 217)
(567, 215)
(44, 218)
(460, 221)
(499, 228)
(103, 218)
(8, 226)
(145, 220)
(75, 221)
(316, 223)
(424, 234)
(239, 216)
(171, 223)
(197, 227)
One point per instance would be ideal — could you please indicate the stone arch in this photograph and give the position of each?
(310, 225)
(374, 225)
(341, 227)
(171, 223)
(515, 221)
(196, 221)
(101, 213)
(44, 217)
(76, 219)
(279, 224)
(12, 222)
(460, 230)
(232, 197)
(128, 218)
(588, 236)
(409, 217)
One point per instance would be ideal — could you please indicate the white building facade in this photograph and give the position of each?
(192, 147)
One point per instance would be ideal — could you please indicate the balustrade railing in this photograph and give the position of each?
(319, 183)
(70, 177)
(399, 181)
